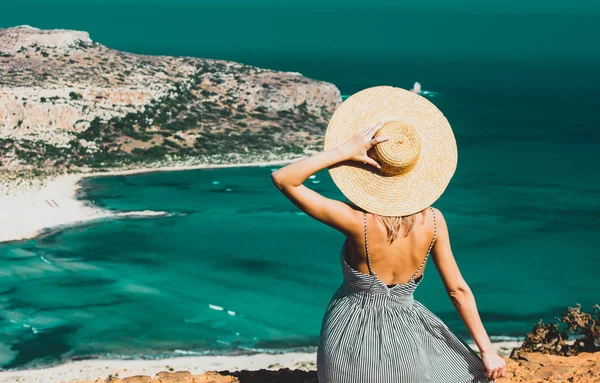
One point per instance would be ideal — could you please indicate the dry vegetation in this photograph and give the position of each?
(552, 338)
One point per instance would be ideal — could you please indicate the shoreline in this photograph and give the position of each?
(34, 209)
(91, 369)
(178, 168)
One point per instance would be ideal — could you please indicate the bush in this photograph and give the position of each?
(551, 338)
(94, 131)
(153, 153)
(75, 96)
(170, 143)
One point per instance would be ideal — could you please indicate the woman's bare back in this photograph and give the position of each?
(396, 262)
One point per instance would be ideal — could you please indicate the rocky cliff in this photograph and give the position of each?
(69, 102)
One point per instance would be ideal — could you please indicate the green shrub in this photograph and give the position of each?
(75, 96)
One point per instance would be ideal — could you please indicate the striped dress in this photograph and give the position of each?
(374, 333)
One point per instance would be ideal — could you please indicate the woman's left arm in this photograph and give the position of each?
(334, 213)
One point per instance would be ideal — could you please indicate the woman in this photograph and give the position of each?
(373, 329)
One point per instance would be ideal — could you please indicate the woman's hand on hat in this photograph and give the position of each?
(356, 148)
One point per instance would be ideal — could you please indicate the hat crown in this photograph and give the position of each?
(400, 153)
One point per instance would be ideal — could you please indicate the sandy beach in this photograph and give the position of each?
(92, 369)
(28, 209)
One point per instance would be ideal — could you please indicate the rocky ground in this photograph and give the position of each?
(69, 103)
(537, 368)
(529, 368)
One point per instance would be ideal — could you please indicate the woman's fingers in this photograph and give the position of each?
(498, 372)
(370, 131)
(370, 161)
(378, 140)
(375, 128)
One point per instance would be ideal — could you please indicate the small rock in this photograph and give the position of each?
(173, 377)
(545, 372)
(537, 358)
(214, 377)
(138, 379)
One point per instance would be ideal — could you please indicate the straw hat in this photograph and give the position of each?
(417, 161)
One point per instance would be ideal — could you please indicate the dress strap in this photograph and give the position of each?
(430, 245)
(367, 244)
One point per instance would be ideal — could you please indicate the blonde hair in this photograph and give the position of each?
(393, 225)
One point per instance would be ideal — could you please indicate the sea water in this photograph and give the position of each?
(234, 267)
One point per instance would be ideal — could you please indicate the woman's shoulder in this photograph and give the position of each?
(357, 214)
(430, 213)
(438, 213)
(439, 224)
(433, 220)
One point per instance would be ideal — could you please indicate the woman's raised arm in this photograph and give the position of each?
(334, 213)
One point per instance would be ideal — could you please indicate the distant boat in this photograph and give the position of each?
(418, 90)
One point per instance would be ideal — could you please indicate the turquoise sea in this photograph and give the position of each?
(234, 267)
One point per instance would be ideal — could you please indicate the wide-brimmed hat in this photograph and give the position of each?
(417, 162)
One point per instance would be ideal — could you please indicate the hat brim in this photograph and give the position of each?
(369, 188)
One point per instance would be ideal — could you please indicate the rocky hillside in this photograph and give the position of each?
(69, 102)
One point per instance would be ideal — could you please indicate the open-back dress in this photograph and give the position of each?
(373, 333)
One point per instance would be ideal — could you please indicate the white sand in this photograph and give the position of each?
(30, 210)
(92, 369)
(503, 348)
(118, 172)
(28, 213)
